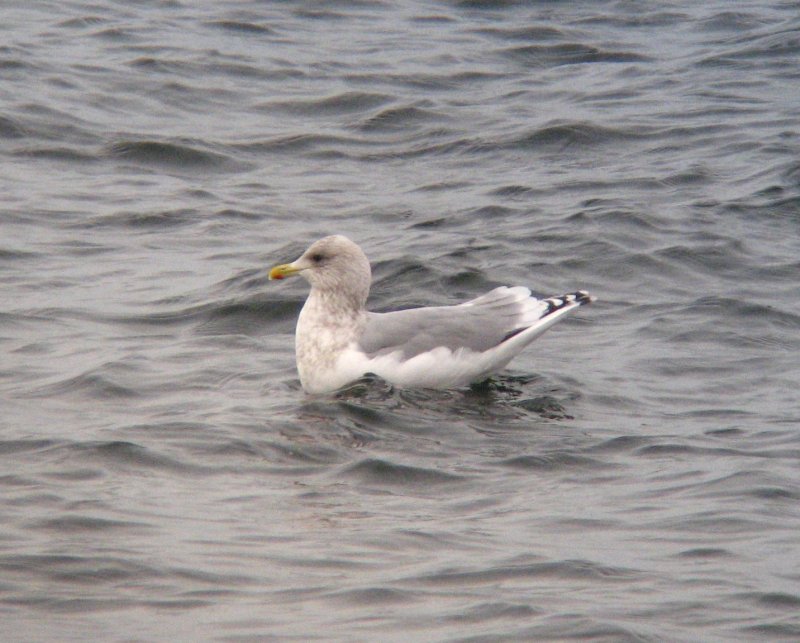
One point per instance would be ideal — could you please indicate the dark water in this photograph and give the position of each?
(634, 476)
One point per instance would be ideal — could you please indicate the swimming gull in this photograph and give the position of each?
(337, 341)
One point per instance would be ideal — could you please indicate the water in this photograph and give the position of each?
(633, 476)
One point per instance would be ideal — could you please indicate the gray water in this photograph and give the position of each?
(634, 475)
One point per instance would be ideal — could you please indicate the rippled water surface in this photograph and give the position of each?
(635, 475)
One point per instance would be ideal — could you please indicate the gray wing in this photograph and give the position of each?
(478, 325)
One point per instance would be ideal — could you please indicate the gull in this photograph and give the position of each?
(337, 341)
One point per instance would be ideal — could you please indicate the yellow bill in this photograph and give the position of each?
(283, 271)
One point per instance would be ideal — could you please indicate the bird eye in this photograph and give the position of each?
(316, 258)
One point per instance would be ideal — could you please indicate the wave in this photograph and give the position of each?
(381, 472)
(344, 103)
(398, 118)
(585, 570)
(183, 155)
(569, 54)
(241, 27)
(10, 128)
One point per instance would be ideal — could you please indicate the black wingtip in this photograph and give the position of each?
(580, 297)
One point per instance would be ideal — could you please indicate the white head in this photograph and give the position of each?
(333, 264)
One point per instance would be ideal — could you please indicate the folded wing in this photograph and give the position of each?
(478, 325)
